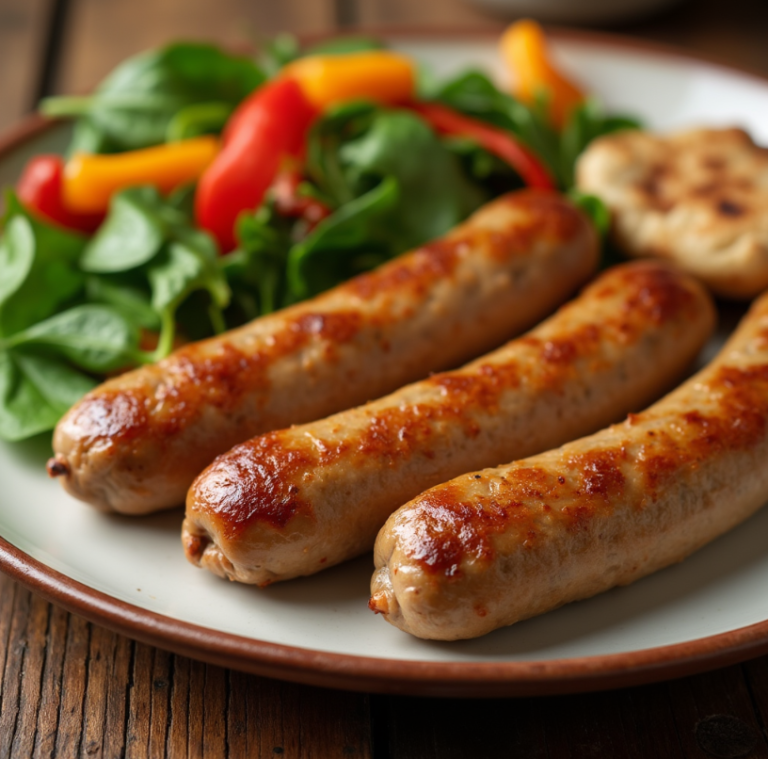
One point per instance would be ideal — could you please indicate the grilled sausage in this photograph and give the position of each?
(296, 501)
(490, 548)
(135, 444)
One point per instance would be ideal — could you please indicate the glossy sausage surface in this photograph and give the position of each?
(296, 501)
(497, 546)
(135, 444)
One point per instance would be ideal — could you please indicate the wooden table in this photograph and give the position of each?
(71, 688)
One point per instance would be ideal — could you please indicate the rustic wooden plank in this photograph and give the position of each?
(196, 708)
(101, 671)
(139, 702)
(648, 722)
(22, 34)
(722, 692)
(50, 702)
(73, 685)
(179, 705)
(214, 713)
(30, 687)
(161, 702)
(90, 53)
(119, 684)
(13, 670)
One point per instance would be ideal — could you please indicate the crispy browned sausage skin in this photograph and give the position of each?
(135, 444)
(296, 501)
(488, 549)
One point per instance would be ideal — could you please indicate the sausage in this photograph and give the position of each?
(490, 548)
(135, 443)
(296, 501)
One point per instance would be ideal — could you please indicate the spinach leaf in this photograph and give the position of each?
(151, 238)
(595, 208)
(333, 252)
(131, 235)
(135, 105)
(256, 270)
(126, 295)
(96, 338)
(39, 268)
(35, 390)
(434, 194)
(474, 94)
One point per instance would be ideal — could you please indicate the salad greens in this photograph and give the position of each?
(177, 91)
(392, 185)
(74, 308)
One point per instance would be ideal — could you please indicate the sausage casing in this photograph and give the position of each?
(295, 501)
(491, 548)
(135, 443)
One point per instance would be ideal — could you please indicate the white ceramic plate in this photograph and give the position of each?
(131, 574)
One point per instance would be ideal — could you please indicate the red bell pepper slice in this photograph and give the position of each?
(270, 124)
(40, 192)
(497, 141)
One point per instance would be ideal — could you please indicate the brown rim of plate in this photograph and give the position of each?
(397, 676)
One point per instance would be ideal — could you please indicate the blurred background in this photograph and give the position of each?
(58, 46)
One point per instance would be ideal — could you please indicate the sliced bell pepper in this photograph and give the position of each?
(497, 141)
(269, 125)
(91, 180)
(524, 48)
(40, 191)
(381, 75)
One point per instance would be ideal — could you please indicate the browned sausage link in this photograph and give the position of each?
(136, 443)
(299, 500)
(488, 549)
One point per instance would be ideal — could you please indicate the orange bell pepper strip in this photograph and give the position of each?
(381, 75)
(524, 49)
(90, 180)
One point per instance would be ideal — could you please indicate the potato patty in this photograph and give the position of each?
(698, 197)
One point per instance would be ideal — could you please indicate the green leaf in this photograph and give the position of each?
(135, 104)
(323, 259)
(124, 296)
(96, 338)
(17, 254)
(59, 383)
(434, 194)
(131, 235)
(176, 272)
(196, 119)
(41, 262)
(595, 208)
(24, 411)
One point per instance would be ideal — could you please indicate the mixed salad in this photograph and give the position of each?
(202, 189)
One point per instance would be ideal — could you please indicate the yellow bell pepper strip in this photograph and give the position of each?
(524, 49)
(381, 75)
(90, 180)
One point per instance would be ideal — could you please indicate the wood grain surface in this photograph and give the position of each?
(69, 688)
